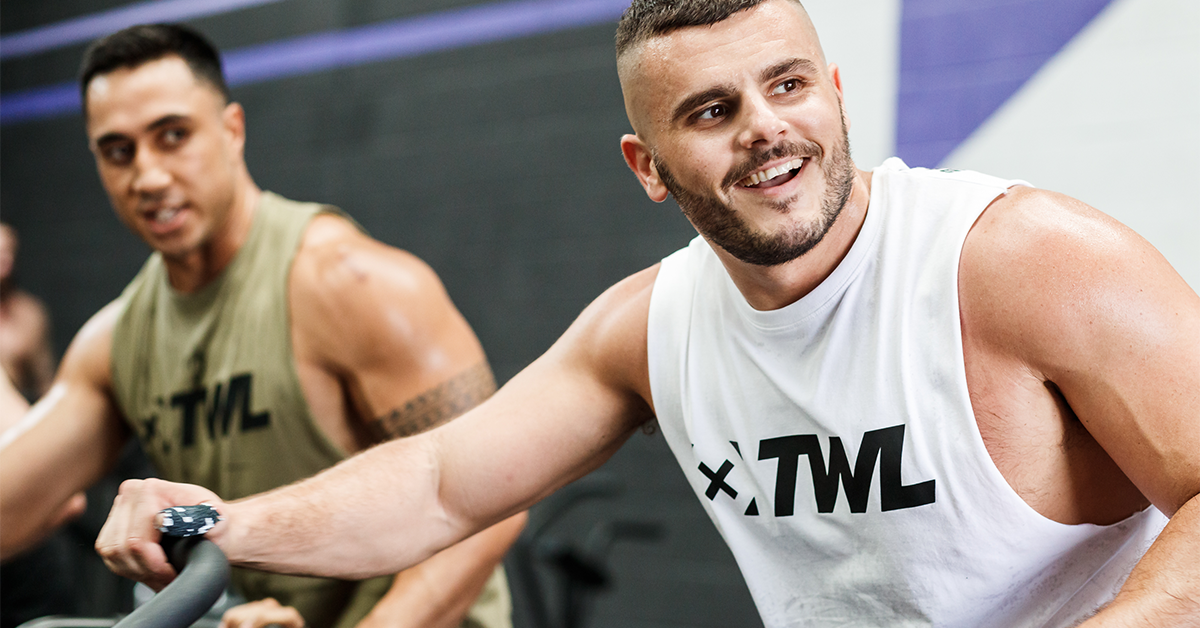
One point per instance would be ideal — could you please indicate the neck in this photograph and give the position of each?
(197, 268)
(768, 288)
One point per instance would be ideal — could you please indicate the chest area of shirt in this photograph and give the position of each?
(197, 413)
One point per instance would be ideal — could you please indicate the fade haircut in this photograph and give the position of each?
(645, 19)
(133, 46)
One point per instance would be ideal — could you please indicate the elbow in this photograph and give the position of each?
(22, 532)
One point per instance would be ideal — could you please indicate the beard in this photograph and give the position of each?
(720, 223)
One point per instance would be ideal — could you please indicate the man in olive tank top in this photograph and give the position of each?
(264, 340)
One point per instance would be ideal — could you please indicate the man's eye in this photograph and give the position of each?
(118, 154)
(713, 112)
(789, 85)
(172, 137)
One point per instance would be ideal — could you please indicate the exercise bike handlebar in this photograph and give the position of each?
(203, 576)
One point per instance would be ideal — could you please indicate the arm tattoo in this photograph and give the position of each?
(438, 404)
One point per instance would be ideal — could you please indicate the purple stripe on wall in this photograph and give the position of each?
(345, 48)
(40, 102)
(962, 59)
(89, 27)
(415, 36)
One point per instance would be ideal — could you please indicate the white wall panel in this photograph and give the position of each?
(1113, 120)
(863, 38)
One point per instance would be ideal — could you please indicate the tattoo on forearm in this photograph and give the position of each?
(438, 404)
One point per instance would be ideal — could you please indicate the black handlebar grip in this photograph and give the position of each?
(203, 575)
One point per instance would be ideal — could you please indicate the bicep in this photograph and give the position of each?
(1135, 384)
(558, 419)
(1094, 309)
(68, 439)
(76, 421)
(381, 323)
(412, 382)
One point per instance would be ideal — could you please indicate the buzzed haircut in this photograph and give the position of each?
(133, 46)
(645, 19)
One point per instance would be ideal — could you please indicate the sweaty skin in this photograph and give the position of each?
(1087, 394)
(373, 329)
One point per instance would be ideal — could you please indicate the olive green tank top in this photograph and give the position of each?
(208, 383)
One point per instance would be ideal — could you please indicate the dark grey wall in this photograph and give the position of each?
(499, 165)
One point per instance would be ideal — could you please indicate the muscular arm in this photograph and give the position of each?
(63, 445)
(441, 590)
(400, 502)
(375, 325)
(1094, 311)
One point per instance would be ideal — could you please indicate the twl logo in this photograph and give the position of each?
(884, 446)
(218, 414)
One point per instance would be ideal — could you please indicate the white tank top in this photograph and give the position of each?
(833, 442)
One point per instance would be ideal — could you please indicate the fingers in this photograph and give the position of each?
(262, 613)
(129, 541)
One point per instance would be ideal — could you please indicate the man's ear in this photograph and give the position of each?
(234, 120)
(835, 76)
(637, 156)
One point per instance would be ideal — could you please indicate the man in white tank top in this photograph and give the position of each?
(1020, 372)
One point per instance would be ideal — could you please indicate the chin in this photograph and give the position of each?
(173, 247)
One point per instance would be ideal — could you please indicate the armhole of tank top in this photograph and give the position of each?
(121, 337)
(115, 380)
(674, 285)
(293, 369)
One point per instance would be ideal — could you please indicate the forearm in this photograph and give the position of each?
(438, 592)
(1164, 588)
(374, 514)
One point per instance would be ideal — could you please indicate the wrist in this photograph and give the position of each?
(1144, 609)
(229, 533)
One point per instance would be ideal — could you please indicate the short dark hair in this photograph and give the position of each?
(650, 18)
(133, 46)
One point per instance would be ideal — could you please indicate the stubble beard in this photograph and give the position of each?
(720, 223)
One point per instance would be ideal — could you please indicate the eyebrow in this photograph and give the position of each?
(109, 138)
(695, 100)
(804, 66)
(164, 121)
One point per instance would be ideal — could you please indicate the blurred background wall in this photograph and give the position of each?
(493, 154)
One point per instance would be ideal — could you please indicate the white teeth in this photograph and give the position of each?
(771, 173)
(165, 215)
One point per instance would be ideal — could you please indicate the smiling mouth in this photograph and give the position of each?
(164, 215)
(771, 177)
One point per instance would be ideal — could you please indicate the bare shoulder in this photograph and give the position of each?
(335, 256)
(610, 335)
(88, 358)
(342, 276)
(1047, 274)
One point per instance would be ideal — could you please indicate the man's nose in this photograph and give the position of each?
(762, 126)
(151, 175)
